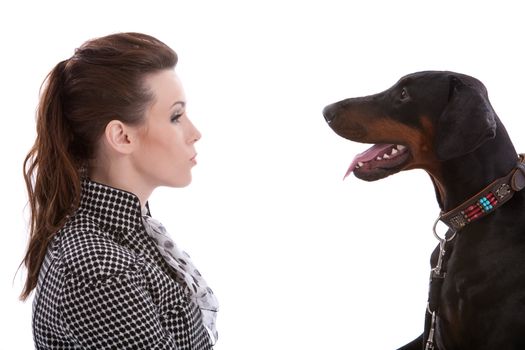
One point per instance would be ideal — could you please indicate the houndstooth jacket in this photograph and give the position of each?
(104, 285)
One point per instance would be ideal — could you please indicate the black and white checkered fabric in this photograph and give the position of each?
(104, 285)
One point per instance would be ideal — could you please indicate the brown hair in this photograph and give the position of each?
(103, 81)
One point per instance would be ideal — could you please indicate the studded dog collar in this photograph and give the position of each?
(488, 199)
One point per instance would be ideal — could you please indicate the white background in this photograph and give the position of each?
(298, 258)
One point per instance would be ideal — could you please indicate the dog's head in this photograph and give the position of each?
(425, 118)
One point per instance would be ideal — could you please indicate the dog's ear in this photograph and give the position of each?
(467, 121)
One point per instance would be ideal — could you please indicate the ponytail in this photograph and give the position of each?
(52, 175)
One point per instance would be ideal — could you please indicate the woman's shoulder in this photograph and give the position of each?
(90, 252)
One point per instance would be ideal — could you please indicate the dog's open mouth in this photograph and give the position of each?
(379, 161)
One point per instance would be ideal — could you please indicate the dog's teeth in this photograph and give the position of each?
(379, 158)
(360, 164)
(400, 147)
(386, 156)
(394, 150)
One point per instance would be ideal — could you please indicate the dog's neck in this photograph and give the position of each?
(492, 160)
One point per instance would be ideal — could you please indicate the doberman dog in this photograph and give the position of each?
(442, 122)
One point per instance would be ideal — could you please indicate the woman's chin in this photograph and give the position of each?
(180, 183)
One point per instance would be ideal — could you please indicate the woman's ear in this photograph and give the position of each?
(120, 137)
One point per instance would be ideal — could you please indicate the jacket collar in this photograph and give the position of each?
(114, 210)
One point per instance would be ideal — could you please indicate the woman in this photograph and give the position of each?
(111, 127)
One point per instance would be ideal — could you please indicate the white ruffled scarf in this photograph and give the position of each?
(195, 285)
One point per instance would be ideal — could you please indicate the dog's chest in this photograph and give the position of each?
(476, 282)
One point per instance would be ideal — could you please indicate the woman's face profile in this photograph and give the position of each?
(166, 152)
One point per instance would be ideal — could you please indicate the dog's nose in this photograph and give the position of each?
(329, 114)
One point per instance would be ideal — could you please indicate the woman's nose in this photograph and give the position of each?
(195, 134)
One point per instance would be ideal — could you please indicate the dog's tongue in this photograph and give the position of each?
(369, 154)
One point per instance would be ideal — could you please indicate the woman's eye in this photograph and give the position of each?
(404, 94)
(175, 118)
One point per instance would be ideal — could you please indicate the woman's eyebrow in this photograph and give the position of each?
(181, 103)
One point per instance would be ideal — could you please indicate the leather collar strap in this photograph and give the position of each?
(488, 199)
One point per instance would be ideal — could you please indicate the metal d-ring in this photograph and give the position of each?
(444, 239)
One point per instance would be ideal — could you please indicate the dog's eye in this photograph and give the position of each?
(404, 95)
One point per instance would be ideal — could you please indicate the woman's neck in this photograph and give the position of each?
(111, 174)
